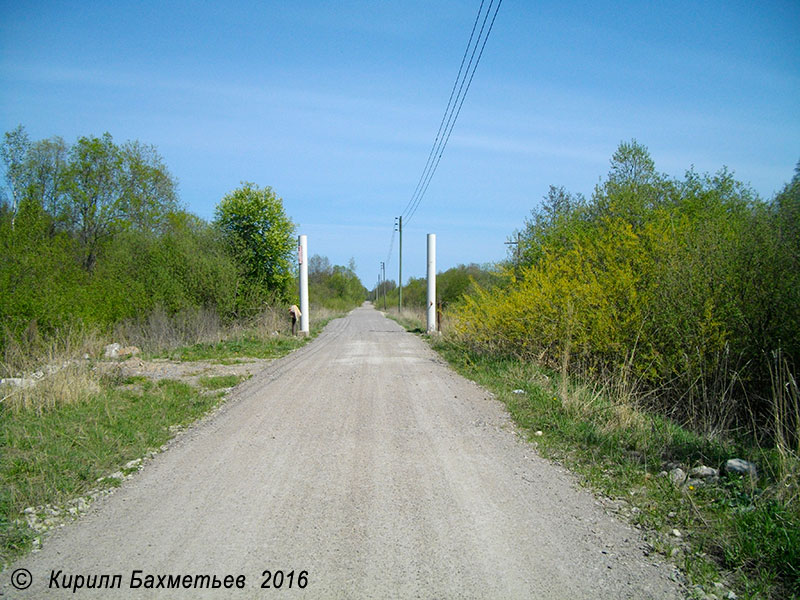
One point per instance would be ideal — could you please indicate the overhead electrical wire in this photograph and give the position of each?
(391, 247)
(432, 153)
(440, 143)
(462, 83)
(453, 107)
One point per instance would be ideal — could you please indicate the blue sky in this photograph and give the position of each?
(335, 105)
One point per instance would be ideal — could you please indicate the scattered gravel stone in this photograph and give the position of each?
(703, 472)
(111, 351)
(741, 467)
(49, 516)
(678, 476)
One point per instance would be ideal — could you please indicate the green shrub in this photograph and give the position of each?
(683, 288)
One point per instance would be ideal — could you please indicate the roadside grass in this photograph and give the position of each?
(60, 453)
(257, 341)
(411, 319)
(219, 382)
(60, 440)
(734, 534)
(243, 346)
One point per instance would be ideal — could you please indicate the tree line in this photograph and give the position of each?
(92, 233)
(451, 286)
(336, 287)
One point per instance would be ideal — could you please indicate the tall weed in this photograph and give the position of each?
(159, 331)
(46, 371)
(72, 383)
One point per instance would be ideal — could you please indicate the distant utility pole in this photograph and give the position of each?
(516, 251)
(383, 272)
(400, 276)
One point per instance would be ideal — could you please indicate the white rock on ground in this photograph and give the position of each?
(741, 466)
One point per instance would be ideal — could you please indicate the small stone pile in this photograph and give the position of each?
(703, 475)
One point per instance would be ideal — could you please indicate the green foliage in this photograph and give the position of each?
(451, 286)
(681, 288)
(13, 152)
(149, 192)
(38, 467)
(334, 287)
(40, 279)
(110, 188)
(94, 185)
(415, 293)
(259, 236)
(184, 267)
(93, 233)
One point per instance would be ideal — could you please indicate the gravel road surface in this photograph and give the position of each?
(364, 465)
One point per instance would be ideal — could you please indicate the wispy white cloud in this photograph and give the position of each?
(529, 147)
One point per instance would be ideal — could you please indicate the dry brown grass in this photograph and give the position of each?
(786, 424)
(274, 320)
(74, 382)
(785, 406)
(58, 370)
(158, 331)
(33, 351)
(52, 371)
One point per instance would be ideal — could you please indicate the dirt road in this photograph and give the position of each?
(362, 465)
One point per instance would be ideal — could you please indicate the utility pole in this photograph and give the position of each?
(516, 251)
(400, 276)
(431, 307)
(302, 259)
(383, 271)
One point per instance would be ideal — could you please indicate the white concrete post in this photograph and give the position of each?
(431, 282)
(302, 260)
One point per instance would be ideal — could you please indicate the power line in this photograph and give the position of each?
(451, 112)
(432, 153)
(391, 246)
(462, 82)
(461, 103)
(439, 148)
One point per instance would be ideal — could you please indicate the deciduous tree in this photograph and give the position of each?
(259, 235)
